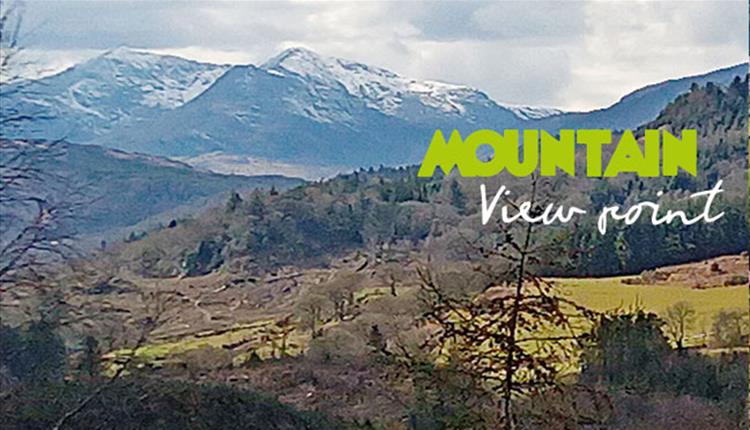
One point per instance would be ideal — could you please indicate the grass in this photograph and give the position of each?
(158, 353)
(606, 294)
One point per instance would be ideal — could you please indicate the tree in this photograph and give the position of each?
(627, 350)
(205, 259)
(256, 206)
(311, 310)
(37, 208)
(393, 274)
(338, 345)
(36, 205)
(34, 354)
(458, 198)
(90, 364)
(155, 312)
(234, 201)
(376, 340)
(679, 318)
(12, 82)
(502, 337)
(340, 293)
(730, 328)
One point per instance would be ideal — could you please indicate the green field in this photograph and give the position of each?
(606, 294)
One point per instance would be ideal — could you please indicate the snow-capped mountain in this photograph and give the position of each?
(303, 108)
(297, 109)
(91, 98)
(385, 91)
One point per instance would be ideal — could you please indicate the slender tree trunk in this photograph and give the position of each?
(510, 358)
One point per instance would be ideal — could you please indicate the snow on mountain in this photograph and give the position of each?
(531, 112)
(303, 108)
(91, 98)
(164, 81)
(381, 89)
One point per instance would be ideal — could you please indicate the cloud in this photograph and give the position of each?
(574, 55)
(650, 42)
(544, 22)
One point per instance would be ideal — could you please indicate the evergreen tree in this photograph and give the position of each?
(89, 364)
(234, 201)
(458, 198)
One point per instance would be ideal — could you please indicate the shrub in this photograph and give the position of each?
(131, 404)
(337, 345)
(735, 280)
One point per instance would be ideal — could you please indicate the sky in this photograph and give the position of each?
(574, 55)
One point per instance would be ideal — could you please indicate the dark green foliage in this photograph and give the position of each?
(376, 341)
(152, 404)
(458, 198)
(641, 246)
(720, 117)
(446, 398)
(90, 363)
(234, 201)
(34, 354)
(627, 350)
(205, 259)
(256, 207)
(629, 353)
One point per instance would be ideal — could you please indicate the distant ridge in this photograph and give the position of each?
(297, 109)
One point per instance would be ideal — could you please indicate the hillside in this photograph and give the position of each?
(248, 331)
(318, 295)
(114, 189)
(157, 405)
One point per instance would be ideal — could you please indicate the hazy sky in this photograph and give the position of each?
(567, 54)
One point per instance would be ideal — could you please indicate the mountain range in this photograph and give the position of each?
(299, 113)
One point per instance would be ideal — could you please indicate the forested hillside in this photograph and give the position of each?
(378, 210)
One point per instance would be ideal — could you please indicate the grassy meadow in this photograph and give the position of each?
(606, 294)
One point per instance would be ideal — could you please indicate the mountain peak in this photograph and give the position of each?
(125, 56)
(138, 56)
(295, 53)
(126, 53)
(306, 62)
(117, 86)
